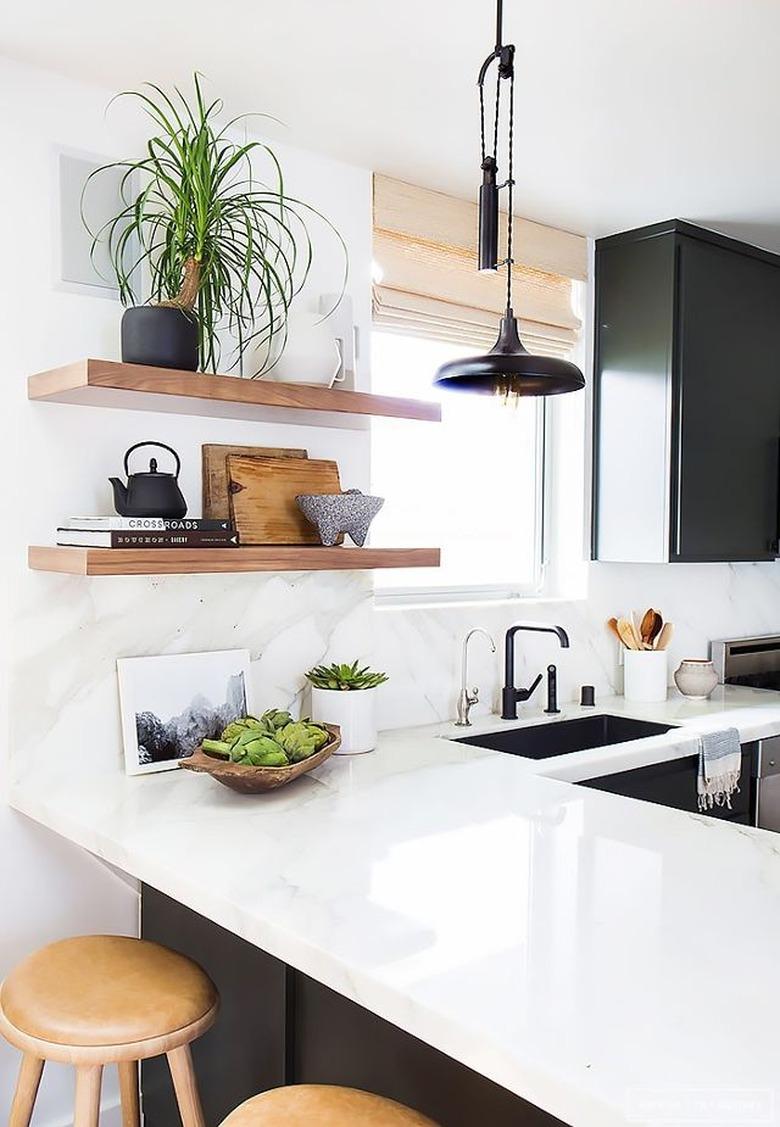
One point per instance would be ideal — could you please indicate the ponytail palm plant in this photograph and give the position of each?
(215, 242)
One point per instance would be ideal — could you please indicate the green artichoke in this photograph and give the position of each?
(276, 718)
(217, 747)
(300, 740)
(237, 727)
(272, 741)
(265, 752)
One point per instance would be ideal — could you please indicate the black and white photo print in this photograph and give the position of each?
(170, 704)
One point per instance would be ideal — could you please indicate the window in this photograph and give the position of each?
(476, 485)
(473, 486)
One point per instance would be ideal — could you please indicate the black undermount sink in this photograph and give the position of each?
(541, 741)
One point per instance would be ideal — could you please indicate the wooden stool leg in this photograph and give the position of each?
(87, 1109)
(26, 1090)
(183, 1075)
(128, 1090)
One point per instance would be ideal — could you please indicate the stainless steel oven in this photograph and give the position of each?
(768, 784)
(755, 663)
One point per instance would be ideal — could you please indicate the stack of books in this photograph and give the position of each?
(146, 532)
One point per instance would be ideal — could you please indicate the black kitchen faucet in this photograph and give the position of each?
(510, 695)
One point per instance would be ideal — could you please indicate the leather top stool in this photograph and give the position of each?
(323, 1105)
(101, 999)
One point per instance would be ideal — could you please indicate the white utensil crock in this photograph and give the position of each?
(645, 675)
(355, 713)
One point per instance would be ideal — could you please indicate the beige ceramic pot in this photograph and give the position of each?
(696, 678)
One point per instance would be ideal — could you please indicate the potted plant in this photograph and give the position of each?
(223, 251)
(345, 695)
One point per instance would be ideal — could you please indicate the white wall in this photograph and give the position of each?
(65, 632)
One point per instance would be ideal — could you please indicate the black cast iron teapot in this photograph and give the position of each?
(151, 494)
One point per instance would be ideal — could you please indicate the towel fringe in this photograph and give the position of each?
(718, 792)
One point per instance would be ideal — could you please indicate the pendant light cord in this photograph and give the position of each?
(495, 120)
(510, 191)
(482, 120)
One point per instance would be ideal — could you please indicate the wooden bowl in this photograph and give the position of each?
(255, 780)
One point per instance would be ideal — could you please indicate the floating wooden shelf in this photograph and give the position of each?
(106, 383)
(198, 561)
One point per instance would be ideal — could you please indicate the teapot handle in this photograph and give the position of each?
(162, 446)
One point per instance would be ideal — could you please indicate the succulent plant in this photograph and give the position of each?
(345, 678)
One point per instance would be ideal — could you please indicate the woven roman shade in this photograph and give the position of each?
(428, 285)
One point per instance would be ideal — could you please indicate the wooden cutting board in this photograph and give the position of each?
(214, 456)
(263, 492)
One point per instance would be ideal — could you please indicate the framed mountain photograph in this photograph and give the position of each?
(170, 704)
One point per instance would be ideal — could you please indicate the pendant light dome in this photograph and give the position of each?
(508, 369)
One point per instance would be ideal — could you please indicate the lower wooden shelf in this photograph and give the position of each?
(198, 561)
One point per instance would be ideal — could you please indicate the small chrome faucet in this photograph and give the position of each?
(466, 699)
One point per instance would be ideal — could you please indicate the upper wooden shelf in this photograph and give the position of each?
(200, 561)
(106, 383)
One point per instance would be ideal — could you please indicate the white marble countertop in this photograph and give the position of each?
(611, 961)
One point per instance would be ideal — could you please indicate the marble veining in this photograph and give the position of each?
(63, 686)
(591, 953)
(420, 645)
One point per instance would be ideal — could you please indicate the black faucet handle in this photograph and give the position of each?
(526, 694)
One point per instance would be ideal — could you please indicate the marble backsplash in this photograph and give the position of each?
(65, 713)
(292, 621)
(420, 647)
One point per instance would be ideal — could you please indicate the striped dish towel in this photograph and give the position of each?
(720, 764)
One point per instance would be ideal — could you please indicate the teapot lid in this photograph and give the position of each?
(152, 471)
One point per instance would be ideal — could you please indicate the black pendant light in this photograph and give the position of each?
(508, 370)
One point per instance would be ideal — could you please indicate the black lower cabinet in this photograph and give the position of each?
(338, 1042)
(244, 1051)
(277, 1026)
(673, 784)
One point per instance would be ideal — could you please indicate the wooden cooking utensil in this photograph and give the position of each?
(262, 497)
(613, 628)
(646, 625)
(627, 634)
(655, 630)
(214, 456)
(665, 636)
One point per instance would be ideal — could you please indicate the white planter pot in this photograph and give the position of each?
(645, 675)
(353, 711)
(311, 355)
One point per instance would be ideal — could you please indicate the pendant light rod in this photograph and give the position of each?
(489, 188)
(510, 191)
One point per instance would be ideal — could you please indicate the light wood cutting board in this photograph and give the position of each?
(214, 456)
(263, 492)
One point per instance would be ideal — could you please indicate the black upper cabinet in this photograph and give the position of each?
(687, 397)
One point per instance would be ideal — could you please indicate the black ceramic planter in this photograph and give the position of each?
(160, 336)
